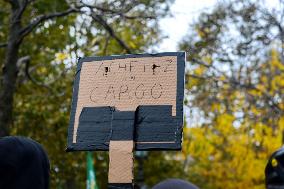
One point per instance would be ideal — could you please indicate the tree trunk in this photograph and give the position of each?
(9, 73)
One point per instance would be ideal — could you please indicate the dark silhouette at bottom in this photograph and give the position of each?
(175, 184)
(23, 164)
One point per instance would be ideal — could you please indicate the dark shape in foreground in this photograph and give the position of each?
(274, 171)
(174, 184)
(23, 164)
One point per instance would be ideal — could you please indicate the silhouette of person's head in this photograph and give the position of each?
(23, 164)
(274, 171)
(174, 184)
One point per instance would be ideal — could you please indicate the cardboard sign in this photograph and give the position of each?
(146, 89)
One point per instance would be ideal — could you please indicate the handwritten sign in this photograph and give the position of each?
(151, 84)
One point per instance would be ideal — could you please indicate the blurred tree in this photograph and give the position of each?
(40, 42)
(235, 89)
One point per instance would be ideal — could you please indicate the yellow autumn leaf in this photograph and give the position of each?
(199, 70)
(61, 56)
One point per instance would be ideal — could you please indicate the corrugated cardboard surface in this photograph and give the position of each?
(120, 162)
(127, 83)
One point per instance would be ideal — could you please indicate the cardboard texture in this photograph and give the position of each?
(120, 162)
(127, 102)
(121, 147)
(148, 84)
(127, 83)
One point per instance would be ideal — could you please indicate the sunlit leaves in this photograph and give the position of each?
(44, 86)
(236, 79)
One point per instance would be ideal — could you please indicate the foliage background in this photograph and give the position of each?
(234, 87)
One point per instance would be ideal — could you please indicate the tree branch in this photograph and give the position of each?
(29, 28)
(106, 45)
(23, 7)
(26, 60)
(120, 12)
(110, 30)
(23, 60)
(3, 45)
(107, 10)
(246, 87)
